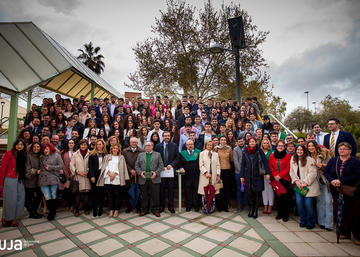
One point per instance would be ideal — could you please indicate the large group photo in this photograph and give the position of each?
(205, 150)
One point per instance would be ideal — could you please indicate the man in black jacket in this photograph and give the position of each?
(170, 156)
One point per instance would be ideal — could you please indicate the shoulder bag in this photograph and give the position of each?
(345, 189)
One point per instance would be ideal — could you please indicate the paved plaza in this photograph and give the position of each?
(181, 234)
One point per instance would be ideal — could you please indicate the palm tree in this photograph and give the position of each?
(91, 58)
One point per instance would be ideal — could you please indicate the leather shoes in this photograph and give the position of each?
(302, 225)
(357, 242)
(128, 210)
(162, 209)
(157, 214)
(14, 223)
(142, 213)
(86, 212)
(5, 223)
(188, 209)
(278, 217)
(344, 237)
(250, 214)
(285, 219)
(172, 210)
(310, 227)
(77, 214)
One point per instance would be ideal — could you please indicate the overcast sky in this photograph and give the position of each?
(313, 45)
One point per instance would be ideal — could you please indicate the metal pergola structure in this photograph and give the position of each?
(29, 58)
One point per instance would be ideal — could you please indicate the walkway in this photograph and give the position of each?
(185, 234)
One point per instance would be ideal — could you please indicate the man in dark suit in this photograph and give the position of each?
(170, 156)
(130, 154)
(336, 136)
(181, 120)
(148, 166)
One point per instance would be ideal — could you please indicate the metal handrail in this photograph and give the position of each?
(282, 125)
(3, 120)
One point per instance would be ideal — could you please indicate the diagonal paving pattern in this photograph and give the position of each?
(180, 234)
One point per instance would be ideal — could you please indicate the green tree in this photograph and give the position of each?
(90, 57)
(176, 58)
(299, 119)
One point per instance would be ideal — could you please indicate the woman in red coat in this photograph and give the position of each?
(12, 176)
(279, 164)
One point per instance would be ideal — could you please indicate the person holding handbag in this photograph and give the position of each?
(227, 173)
(324, 202)
(209, 164)
(343, 173)
(50, 166)
(66, 157)
(97, 193)
(254, 167)
(279, 164)
(33, 195)
(79, 169)
(304, 175)
(268, 192)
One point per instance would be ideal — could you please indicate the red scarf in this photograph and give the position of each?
(83, 153)
(251, 150)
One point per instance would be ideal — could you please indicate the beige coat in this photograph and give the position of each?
(123, 171)
(308, 174)
(78, 163)
(323, 158)
(204, 164)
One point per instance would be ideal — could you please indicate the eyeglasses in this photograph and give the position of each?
(332, 123)
(344, 149)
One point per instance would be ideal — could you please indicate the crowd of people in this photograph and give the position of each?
(90, 154)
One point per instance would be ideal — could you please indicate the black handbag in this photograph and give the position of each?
(61, 177)
(74, 185)
(261, 165)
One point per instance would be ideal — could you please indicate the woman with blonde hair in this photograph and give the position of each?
(96, 159)
(230, 124)
(113, 140)
(268, 192)
(209, 171)
(114, 174)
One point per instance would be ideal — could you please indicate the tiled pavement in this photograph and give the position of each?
(182, 234)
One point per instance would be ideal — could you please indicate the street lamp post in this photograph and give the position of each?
(307, 99)
(314, 103)
(236, 31)
(2, 112)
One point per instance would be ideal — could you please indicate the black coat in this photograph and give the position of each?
(343, 137)
(94, 167)
(173, 153)
(250, 170)
(192, 168)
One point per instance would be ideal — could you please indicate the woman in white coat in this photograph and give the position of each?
(209, 171)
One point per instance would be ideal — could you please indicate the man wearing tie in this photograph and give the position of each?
(318, 133)
(170, 156)
(336, 136)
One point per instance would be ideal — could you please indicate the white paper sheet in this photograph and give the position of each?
(167, 173)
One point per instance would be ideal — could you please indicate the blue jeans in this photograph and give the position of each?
(240, 196)
(306, 209)
(50, 191)
(325, 207)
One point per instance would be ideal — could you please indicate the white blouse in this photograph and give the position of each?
(113, 167)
